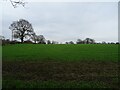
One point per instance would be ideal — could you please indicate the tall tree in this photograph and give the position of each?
(21, 29)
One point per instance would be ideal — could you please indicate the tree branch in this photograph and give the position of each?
(15, 3)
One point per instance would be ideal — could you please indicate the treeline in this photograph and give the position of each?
(42, 40)
(39, 40)
(89, 41)
(23, 31)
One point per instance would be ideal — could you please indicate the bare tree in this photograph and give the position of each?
(41, 39)
(79, 41)
(34, 37)
(103, 42)
(21, 29)
(15, 3)
(71, 42)
(66, 42)
(89, 41)
(92, 41)
(54, 42)
(48, 42)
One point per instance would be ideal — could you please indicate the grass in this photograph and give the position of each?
(60, 52)
(60, 66)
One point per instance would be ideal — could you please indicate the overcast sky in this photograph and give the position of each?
(66, 21)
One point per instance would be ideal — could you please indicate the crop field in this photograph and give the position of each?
(60, 66)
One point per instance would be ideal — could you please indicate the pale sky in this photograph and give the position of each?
(66, 21)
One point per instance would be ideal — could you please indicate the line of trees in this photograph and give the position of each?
(86, 41)
(89, 41)
(41, 40)
(4, 41)
(23, 31)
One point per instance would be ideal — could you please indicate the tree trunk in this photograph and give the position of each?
(35, 41)
(22, 36)
(21, 39)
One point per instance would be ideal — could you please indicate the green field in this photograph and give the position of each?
(60, 52)
(60, 66)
